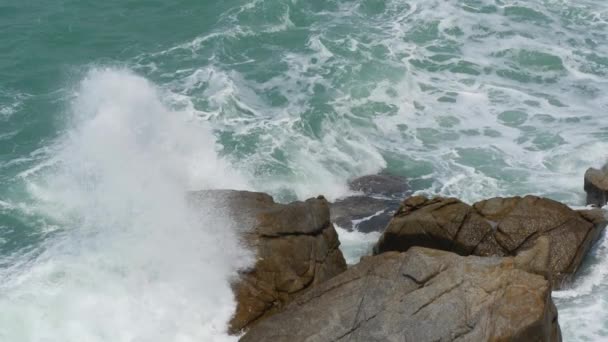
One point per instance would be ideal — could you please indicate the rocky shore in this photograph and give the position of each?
(442, 270)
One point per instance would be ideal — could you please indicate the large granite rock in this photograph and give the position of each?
(424, 295)
(596, 186)
(373, 210)
(498, 226)
(296, 247)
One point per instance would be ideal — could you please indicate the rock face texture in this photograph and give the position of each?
(373, 210)
(596, 186)
(498, 226)
(424, 295)
(295, 244)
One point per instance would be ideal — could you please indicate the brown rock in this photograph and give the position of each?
(596, 186)
(434, 223)
(424, 295)
(296, 247)
(498, 226)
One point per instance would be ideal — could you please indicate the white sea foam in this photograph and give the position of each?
(10, 103)
(443, 108)
(355, 244)
(133, 261)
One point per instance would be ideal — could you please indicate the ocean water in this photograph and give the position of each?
(111, 110)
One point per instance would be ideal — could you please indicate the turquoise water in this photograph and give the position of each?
(110, 110)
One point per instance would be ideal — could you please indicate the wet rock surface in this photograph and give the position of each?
(596, 186)
(382, 184)
(373, 210)
(363, 213)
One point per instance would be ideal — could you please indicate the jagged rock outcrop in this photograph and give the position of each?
(498, 226)
(373, 210)
(424, 295)
(295, 244)
(596, 186)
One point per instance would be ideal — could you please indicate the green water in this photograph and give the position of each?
(471, 98)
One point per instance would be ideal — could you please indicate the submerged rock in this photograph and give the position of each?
(296, 247)
(373, 210)
(424, 295)
(382, 184)
(596, 186)
(498, 226)
(363, 213)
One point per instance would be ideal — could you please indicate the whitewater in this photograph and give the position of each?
(110, 113)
